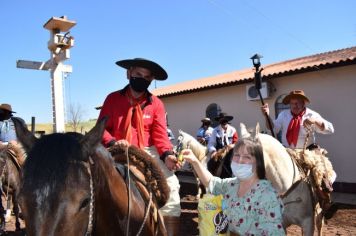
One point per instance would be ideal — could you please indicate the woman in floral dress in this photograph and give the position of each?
(251, 204)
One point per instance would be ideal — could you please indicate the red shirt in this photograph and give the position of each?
(116, 106)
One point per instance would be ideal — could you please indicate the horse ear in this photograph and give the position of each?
(93, 137)
(257, 130)
(244, 131)
(26, 138)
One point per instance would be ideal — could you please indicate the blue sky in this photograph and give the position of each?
(190, 39)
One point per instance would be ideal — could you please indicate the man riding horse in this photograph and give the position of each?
(8, 136)
(220, 146)
(205, 131)
(296, 124)
(137, 117)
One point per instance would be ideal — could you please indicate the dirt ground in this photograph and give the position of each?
(342, 224)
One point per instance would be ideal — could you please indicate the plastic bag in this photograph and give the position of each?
(212, 220)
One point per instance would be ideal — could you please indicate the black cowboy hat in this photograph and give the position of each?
(224, 116)
(158, 72)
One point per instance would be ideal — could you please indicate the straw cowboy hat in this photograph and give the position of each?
(206, 119)
(223, 116)
(6, 107)
(158, 72)
(295, 94)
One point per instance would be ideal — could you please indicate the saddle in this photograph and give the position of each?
(16, 154)
(140, 182)
(313, 163)
(146, 171)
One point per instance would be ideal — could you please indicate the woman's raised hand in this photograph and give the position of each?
(189, 156)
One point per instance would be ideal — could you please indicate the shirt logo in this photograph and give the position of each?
(146, 116)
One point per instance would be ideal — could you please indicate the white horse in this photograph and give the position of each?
(185, 141)
(284, 176)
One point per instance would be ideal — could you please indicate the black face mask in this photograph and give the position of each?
(139, 84)
(223, 122)
(4, 116)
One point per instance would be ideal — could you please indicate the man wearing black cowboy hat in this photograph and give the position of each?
(136, 117)
(223, 136)
(8, 134)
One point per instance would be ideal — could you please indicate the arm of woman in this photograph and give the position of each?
(203, 174)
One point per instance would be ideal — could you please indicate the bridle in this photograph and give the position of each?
(129, 200)
(92, 199)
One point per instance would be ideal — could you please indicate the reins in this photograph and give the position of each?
(129, 200)
(92, 199)
(129, 190)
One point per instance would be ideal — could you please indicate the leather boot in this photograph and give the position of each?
(172, 225)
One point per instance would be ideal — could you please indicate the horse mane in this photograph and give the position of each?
(156, 181)
(49, 160)
(199, 150)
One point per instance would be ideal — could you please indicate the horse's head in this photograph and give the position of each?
(185, 140)
(57, 194)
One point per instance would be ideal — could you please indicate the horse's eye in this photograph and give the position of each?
(84, 203)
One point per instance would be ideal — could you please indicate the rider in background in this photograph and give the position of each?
(170, 134)
(223, 138)
(296, 122)
(224, 135)
(295, 125)
(8, 133)
(205, 131)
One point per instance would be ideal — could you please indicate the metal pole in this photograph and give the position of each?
(258, 86)
(33, 123)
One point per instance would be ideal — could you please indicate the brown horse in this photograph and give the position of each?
(10, 174)
(71, 187)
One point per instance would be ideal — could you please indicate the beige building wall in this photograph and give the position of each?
(332, 93)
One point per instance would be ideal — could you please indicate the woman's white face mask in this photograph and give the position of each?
(241, 171)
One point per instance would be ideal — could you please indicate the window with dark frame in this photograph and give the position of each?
(212, 111)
